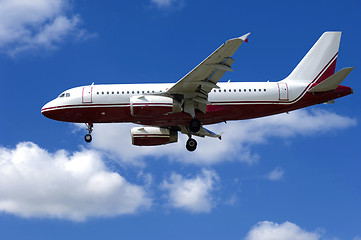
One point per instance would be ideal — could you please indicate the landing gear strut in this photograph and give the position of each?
(195, 125)
(88, 138)
(191, 144)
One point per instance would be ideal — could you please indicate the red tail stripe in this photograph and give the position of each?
(327, 71)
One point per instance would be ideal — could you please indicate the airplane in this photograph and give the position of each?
(199, 99)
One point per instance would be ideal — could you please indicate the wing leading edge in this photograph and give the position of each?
(194, 87)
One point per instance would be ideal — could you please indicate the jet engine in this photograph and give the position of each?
(151, 105)
(152, 136)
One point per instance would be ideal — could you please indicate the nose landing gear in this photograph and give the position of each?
(88, 138)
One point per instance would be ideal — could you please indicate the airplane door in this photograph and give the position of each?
(87, 94)
(283, 91)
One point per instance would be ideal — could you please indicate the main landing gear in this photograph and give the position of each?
(194, 127)
(88, 138)
(191, 144)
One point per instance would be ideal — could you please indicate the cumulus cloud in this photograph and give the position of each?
(36, 183)
(37, 24)
(285, 231)
(275, 174)
(192, 194)
(237, 139)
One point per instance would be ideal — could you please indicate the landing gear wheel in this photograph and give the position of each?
(88, 138)
(195, 125)
(191, 144)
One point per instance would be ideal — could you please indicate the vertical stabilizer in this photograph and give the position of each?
(320, 62)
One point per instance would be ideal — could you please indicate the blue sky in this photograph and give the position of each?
(294, 176)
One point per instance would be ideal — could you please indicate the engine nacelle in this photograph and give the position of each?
(151, 105)
(151, 136)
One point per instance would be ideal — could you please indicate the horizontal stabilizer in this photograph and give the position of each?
(332, 82)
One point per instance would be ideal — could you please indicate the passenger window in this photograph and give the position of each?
(147, 91)
(97, 93)
(138, 92)
(219, 90)
(142, 91)
(107, 92)
(264, 89)
(239, 90)
(225, 90)
(250, 90)
(127, 92)
(235, 90)
(255, 90)
(102, 92)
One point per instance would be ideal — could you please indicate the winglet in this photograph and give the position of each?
(245, 37)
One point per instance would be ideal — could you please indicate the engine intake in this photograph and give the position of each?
(152, 136)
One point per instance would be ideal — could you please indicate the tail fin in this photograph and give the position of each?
(320, 62)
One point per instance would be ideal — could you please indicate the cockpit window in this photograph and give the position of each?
(64, 95)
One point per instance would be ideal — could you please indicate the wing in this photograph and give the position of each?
(195, 86)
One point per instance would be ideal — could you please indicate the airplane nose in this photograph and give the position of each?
(46, 109)
(43, 109)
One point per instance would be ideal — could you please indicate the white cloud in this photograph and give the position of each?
(192, 194)
(167, 3)
(37, 24)
(35, 183)
(236, 143)
(285, 231)
(275, 174)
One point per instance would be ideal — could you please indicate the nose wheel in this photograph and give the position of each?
(88, 138)
(191, 144)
